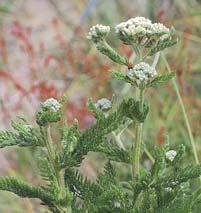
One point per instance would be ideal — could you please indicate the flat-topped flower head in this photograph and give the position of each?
(103, 104)
(142, 32)
(50, 111)
(134, 29)
(142, 72)
(98, 32)
(51, 104)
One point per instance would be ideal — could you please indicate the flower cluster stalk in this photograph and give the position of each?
(138, 139)
(51, 157)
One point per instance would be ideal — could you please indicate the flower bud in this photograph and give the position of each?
(50, 111)
(104, 104)
(98, 32)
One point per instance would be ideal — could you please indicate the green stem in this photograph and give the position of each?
(183, 111)
(49, 144)
(145, 149)
(138, 140)
(51, 157)
(137, 52)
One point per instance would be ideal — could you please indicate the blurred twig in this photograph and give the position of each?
(183, 111)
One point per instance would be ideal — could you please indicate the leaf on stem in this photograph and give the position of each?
(162, 79)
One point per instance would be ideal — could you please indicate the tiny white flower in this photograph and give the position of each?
(168, 189)
(117, 204)
(159, 28)
(98, 32)
(52, 104)
(170, 155)
(174, 183)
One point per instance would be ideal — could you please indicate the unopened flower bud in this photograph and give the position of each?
(50, 111)
(98, 32)
(104, 104)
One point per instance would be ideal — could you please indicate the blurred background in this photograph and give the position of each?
(44, 53)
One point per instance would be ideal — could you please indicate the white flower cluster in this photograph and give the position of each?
(98, 32)
(103, 104)
(168, 189)
(142, 71)
(170, 155)
(52, 104)
(141, 31)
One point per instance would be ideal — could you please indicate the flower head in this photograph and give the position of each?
(142, 31)
(103, 104)
(142, 72)
(98, 32)
(51, 104)
(170, 155)
(50, 111)
(133, 30)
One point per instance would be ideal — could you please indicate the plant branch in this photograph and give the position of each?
(138, 139)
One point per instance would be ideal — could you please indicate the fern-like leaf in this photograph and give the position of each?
(23, 189)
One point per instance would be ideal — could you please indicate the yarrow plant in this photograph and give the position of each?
(98, 32)
(164, 188)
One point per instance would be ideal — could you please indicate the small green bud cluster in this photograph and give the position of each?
(50, 111)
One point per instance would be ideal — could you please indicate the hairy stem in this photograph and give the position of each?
(51, 157)
(138, 139)
(49, 144)
(145, 149)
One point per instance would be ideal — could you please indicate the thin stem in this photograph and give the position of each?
(137, 52)
(145, 149)
(155, 60)
(138, 139)
(51, 157)
(183, 111)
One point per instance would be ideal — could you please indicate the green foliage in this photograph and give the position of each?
(107, 50)
(161, 45)
(25, 190)
(162, 79)
(75, 144)
(23, 135)
(164, 188)
(121, 77)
